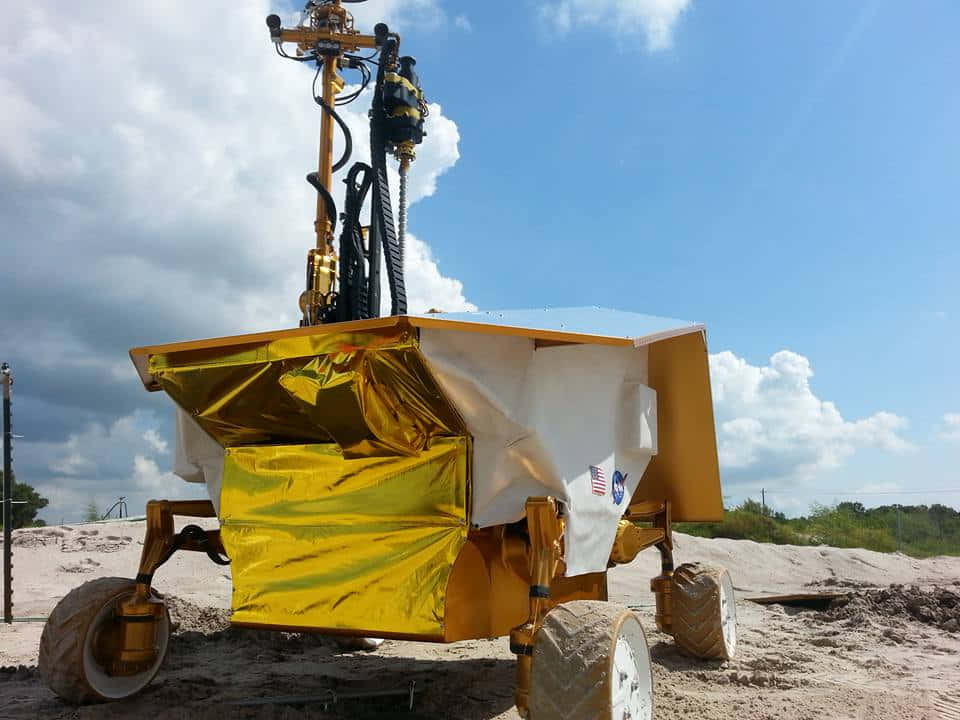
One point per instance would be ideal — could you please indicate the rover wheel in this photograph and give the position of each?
(67, 659)
(704, 612)
(590, 662)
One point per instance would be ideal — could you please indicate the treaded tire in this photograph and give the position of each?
(573, 663)
(703, 606)
(61, 662)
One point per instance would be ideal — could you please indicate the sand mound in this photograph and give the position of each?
(187, 617)
(68, 539)
(936, 606)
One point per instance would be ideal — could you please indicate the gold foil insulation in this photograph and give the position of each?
(369, 392)
(344, 501)
(363, 544)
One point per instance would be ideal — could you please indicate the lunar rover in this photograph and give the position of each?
(434, 477)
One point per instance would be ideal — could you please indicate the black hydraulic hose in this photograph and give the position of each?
(347, 99)
(314, 179)
(352, 302)
(348, 138)
(357, 191)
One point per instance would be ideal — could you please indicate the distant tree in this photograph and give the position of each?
(27, 503)
(92, 513)
(939, 514)
(853, 507)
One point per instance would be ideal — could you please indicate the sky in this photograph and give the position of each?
(786, 173)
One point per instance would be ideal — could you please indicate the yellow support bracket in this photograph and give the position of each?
(309, 38)
(545, 531)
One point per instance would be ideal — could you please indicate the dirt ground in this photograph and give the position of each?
(890, 650)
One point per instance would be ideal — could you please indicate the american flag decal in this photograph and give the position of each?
(598, 483)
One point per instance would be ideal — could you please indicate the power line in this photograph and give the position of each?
(939, 491)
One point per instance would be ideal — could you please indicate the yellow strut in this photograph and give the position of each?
(332, 85)
(545, 530)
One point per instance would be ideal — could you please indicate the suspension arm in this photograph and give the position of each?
(160, 541)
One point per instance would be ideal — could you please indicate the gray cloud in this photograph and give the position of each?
(151, 188)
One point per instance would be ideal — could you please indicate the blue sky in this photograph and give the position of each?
(786, 173)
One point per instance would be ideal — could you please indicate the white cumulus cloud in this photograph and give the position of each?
(654, 20)
(771, 427)
(399, 14)
(155, 441)
(426, 288)
(147, 475)
(950, 427)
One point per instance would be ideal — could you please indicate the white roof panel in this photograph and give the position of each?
(596, 321)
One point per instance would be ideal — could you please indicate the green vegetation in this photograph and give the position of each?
(27, 502)
(920, 531)
(92, 513)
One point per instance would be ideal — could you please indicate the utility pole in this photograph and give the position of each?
(763, 500)
(899, 542)
(7, 497)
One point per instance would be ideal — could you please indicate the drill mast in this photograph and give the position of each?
(348, 287)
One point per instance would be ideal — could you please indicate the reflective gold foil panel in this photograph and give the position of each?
(364, 544)
(344, 500)
(370, 393)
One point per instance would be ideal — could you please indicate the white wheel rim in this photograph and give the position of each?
(631, 684)
(116, 688)
(728, 614)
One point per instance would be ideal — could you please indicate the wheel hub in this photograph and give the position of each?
(728, 615)
(630, 686)
(120, 655)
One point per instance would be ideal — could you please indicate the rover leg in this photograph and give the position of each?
(662, 585)
(107, 639)
(139, 613)
(545, 530)
(160, 542)
(695, 603)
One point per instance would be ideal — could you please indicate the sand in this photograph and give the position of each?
(891, 650)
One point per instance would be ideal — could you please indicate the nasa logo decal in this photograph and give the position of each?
(618, 486)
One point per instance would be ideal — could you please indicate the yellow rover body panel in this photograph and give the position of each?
(489, 588)
(686, 470)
